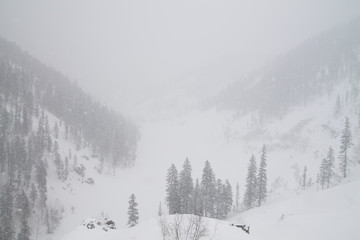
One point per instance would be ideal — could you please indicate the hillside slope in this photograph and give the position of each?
(329, 214)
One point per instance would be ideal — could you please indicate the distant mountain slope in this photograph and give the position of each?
(299, 76)
(51, 133)
(28, 81)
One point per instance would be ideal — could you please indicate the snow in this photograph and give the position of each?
(330, 214)
(300, 138)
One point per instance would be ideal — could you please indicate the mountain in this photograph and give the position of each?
(298, 77)
(296, 130)
(49, 127)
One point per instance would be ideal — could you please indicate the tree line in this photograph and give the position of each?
(209, 197)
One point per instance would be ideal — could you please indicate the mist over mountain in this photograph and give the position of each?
(298, 77)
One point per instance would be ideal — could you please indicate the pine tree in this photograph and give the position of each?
(219, 200)
(330, 160)
(197, 200)
(172, 190)
(237, 197)
(133, 213)
(228, 197)
(186, 188)
(323, 174)
(262, 178)
(304, 178)
(346, 143)
(251, 184)
(208, 190)
(42, 188)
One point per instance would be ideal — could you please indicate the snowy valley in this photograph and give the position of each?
(69, 164)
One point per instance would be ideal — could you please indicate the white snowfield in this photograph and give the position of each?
(330, 214)
(152, 230)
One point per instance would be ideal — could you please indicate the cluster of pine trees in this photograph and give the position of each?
(327, 174)
(209, 197)
(256, 182)
(29, 141)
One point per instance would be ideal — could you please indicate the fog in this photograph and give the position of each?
(128, 53)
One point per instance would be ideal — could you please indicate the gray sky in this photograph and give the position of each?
(126, 52)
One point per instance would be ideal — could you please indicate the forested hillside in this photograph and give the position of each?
(40, 109)
(299, 76)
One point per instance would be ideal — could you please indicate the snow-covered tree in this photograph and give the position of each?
(219, 203)
(327, 173)
(133, 213)
(228, 197)
(197, 200)
(304, 176)
(323, 174)
(172, 190)
(237, 197)
(208, 190)
(251, 184)
(262, 178)
(186, 188)
(346, 143)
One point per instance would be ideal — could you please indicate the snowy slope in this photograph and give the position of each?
(329, 214)
(151, 230)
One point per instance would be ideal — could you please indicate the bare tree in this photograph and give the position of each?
(183, 227)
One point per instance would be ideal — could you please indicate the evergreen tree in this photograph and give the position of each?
(237, 197)
(197, 200)
(41, 182)
(66, 169)
(186, 188)
(330, 172)
(262, 178)
(251, 184)
(304, 178)
(208, 190)
(219, 200)
(228, 197)
(346, 143)
(172, 190)
(133, 213)
(323, 174)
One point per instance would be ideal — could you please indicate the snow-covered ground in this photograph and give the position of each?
(300, 138)
(328, 214)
